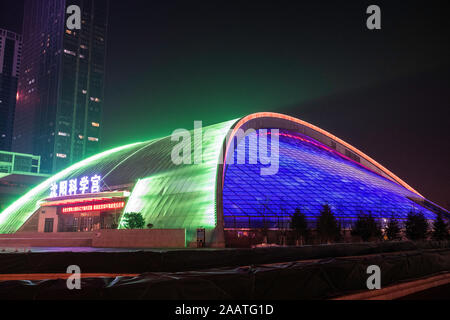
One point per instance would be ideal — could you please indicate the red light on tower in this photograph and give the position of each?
(17, 96)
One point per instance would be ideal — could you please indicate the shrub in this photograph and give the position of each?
(440, 228)
(327, 226)
(366, 227)
(133, 220)
(114, 226)
(416, 226)
(392, 230)
(300, 225)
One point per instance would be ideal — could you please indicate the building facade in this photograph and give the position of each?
(18, 174)
(13, 162)
(218, 195)
(61, 87)
(10, 59)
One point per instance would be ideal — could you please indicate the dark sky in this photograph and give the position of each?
(387, 92)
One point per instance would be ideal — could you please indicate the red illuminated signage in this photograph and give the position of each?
(95, 207)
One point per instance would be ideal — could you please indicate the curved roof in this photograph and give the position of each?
(305, 175)
(180, 194)
(167, 194)
(260, 120)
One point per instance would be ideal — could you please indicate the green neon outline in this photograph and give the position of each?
(188, 192)
(13, 226)
(183, 196)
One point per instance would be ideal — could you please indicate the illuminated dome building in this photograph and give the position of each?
(313, 168)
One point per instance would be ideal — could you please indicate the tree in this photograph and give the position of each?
(416, 226)
(366, 227)
(300, 225)
(133, 220)
(392, 230)
(265, 224)
(440, 228)
(327, 226)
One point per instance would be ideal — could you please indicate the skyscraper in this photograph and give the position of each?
(10, 51)
(61, 85)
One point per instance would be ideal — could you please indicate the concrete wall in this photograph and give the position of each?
(41, 239)
(140, 238)
(145, 238)
(213, 238)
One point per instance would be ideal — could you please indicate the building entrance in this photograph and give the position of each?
(87, 221)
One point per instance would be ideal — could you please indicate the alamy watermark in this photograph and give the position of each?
(73, 21)
(373, 22)
(74, 281)
(374, 280)
(262, 145)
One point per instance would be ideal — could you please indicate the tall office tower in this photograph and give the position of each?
(61, 85)
(10, 51)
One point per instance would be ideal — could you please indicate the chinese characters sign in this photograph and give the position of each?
(95, 207)
(76, 186)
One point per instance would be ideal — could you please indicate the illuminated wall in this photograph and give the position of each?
(310, 175)
(13, 217)
(181, 196)
(167, 195)
(195, 195)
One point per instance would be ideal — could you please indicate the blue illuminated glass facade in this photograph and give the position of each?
(310, 175)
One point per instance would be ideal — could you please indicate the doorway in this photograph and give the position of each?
(48, 225)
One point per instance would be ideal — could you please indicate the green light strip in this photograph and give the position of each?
(168, 196)
(182, 196)
(13, 217)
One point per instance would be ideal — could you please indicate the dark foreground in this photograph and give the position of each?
(288, 273)
(436, 293)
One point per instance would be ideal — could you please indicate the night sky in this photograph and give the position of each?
(387, 92)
